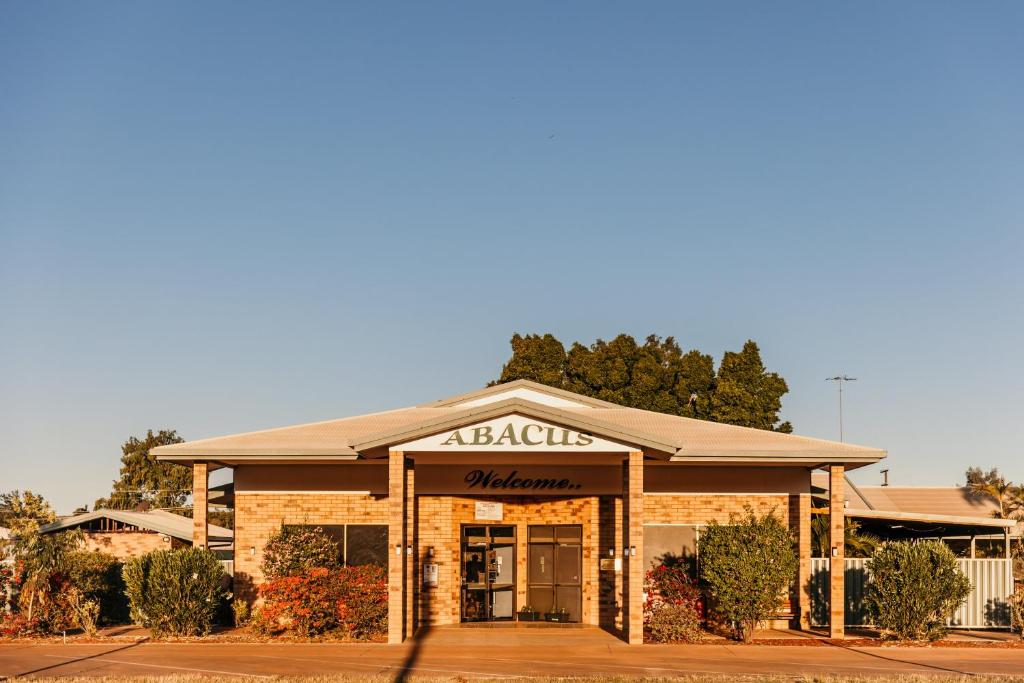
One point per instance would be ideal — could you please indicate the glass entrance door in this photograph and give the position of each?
(488, 573)
(555, 570)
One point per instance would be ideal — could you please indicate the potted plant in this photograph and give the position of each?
(527, 613)
(559, 615)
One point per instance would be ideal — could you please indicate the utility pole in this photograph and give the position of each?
(839, 380)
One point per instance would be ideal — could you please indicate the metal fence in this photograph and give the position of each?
(986, 606)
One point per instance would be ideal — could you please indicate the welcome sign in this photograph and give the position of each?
(519, 480)
(514, 433)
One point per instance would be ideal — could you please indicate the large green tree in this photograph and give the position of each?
(146, 480)
(747, 394)
(655, 375)
(535, 357)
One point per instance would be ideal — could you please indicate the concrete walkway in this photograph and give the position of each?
(496, 653)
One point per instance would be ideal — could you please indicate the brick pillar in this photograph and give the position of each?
(411, 613)
(396, 540)
(200, 504)
(634, 503)
(837, 530)
(803, 589)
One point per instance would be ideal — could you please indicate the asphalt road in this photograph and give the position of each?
(470, 653)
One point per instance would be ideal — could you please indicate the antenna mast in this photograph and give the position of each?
(840, 379)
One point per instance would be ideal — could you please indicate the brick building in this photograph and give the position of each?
(517, 496)
(128, 533)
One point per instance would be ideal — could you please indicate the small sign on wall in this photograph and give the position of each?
(489, 511)
(430, 575)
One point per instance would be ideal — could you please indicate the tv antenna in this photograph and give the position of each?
(840, 380)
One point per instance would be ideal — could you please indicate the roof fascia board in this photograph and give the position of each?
(926, 517)
(123, 516)
(506, 407)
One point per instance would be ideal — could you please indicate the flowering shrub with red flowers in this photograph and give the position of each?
(673, 606)
(349, 600)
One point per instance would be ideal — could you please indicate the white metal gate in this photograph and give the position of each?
(985, 607)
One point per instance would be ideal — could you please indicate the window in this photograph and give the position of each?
(359, 544)
(671, 544)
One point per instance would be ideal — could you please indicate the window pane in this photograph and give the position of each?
(367, 544)
(541, 561)
(569, 534)
(542, 533)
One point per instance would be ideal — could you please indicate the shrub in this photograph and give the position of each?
(1017, 610)
(241, 611)
(294, 549)
(98, 577)
(352, 600)
(673, 624)
(672, 610)
(175, 592)
(747, 565)
(915, 587)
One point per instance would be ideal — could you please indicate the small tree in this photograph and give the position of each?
(1017, 610)
(915, 587)
(175, 592)
(747, 565)
(294, 549)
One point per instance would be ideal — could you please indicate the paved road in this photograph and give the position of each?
(474, 653)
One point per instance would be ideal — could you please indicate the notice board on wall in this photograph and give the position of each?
(489, 511)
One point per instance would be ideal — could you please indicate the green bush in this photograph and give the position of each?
(915, 587)
(747, 565)
(175, 592)
(293, 549)
(97, 576)
(674, 624)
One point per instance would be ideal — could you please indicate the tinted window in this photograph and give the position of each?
(367, 544)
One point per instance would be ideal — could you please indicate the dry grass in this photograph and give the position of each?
(724, 678)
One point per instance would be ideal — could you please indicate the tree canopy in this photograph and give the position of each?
(656, 375)
(23, 513)
(144, 479)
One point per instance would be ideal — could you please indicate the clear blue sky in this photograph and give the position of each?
(224, 216)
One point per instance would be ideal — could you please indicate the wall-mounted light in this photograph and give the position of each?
(632, 551)
(252, 551)
(430, 551)
(165, 539)
(611, 552)
(835, 551)
(408, 550)
(398, 549)
(625, 551)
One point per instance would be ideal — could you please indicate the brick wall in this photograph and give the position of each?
(258, 515)
(125, 544)
(438, 521)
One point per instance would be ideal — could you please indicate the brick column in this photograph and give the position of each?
(837, 567)
(411, 613)
(634, 503)
(200, 504)
(396, 539)
(803, 588)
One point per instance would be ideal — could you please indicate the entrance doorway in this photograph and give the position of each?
(488, 573)
(555, 570)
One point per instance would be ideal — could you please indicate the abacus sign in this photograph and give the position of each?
(514, 433)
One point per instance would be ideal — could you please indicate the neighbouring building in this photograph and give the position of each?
(518, 495)
(966, 521)
(127, 533)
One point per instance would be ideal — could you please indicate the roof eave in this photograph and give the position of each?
(927, 517)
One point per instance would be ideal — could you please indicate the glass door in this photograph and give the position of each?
(488, 573)
(555, 571)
